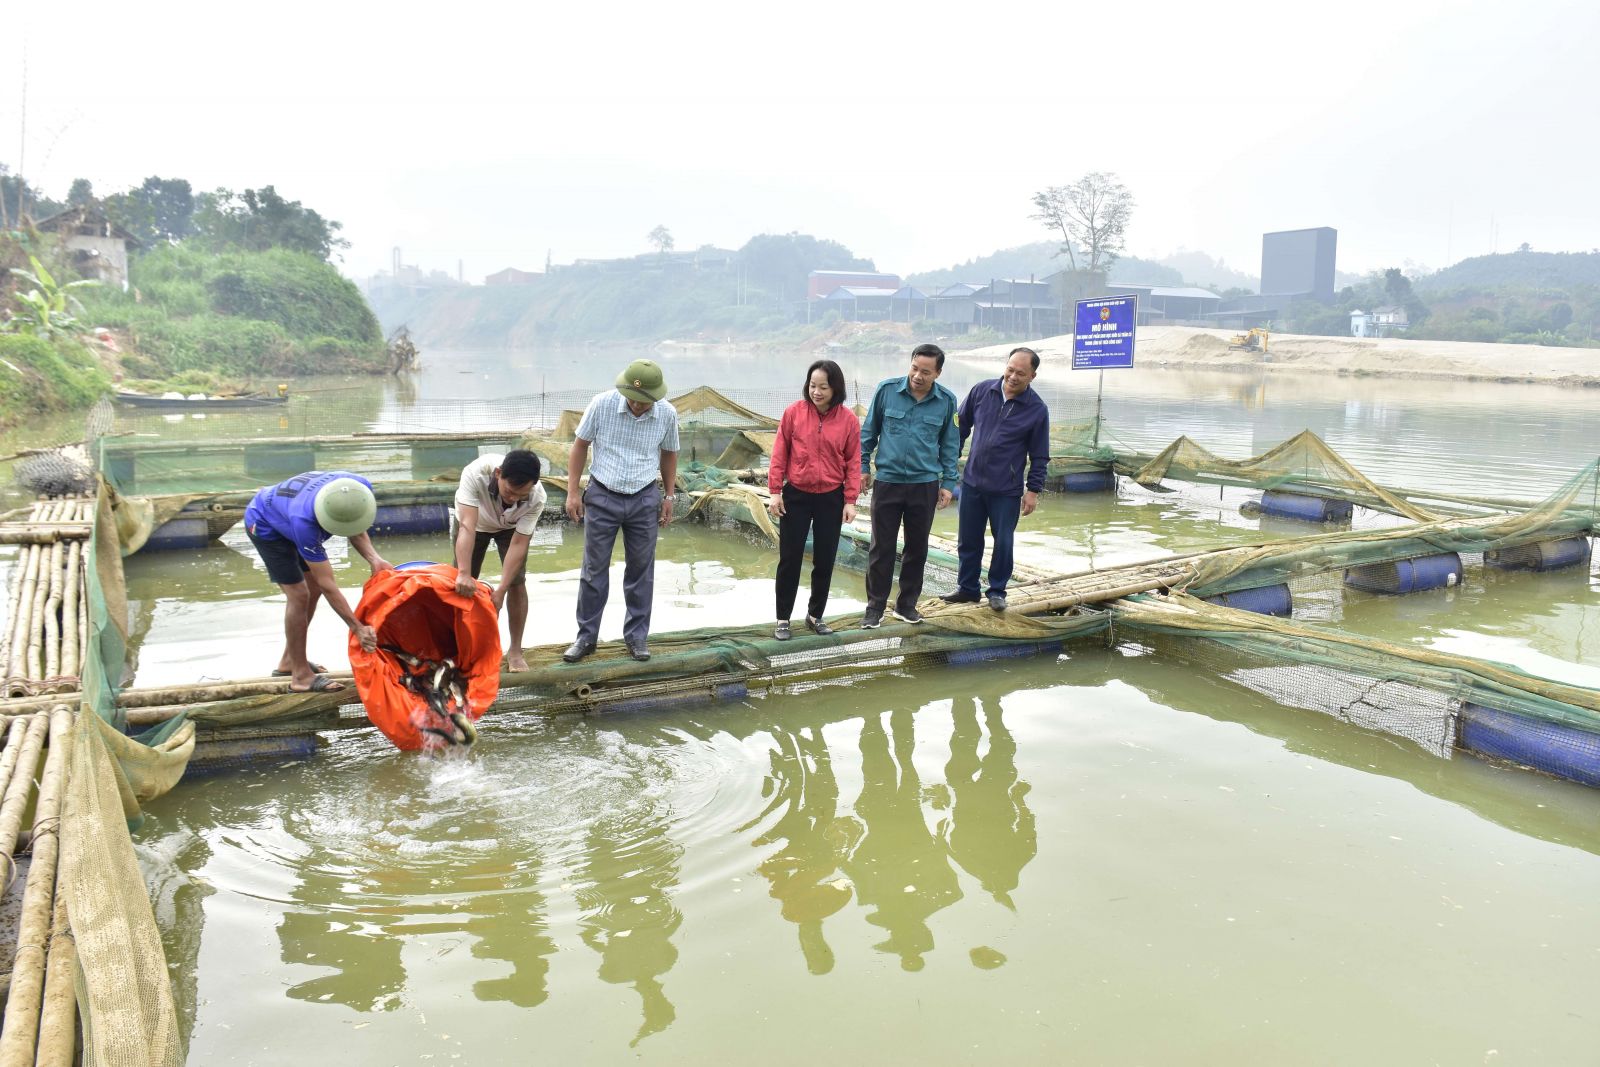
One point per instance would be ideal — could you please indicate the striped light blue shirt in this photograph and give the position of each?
(627, 448)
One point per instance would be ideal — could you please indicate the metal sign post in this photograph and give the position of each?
(1102, 339)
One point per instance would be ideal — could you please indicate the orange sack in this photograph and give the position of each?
(418, 609)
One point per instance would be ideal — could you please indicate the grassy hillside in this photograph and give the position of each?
(239, 314)
(1536, 270)
(1039, 259)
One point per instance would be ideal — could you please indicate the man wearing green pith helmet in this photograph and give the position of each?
(288, 524)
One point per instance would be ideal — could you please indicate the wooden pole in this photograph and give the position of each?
(17, 666)
(58, 1021)
(69, 611)
(14, 597)
(18, 784)
(34, 667)
(21, 1027)
(41, 534)
(52, 616)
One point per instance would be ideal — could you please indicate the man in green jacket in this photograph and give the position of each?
(911, 426)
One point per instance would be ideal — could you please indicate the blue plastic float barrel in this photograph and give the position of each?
(1541, 555)
(219, 757)
(1303, 507)
(962, 657)
(1555, 748)
(184, 530)
(1263, 600)
(1406, 575)
(411, 519)
(1099, 481)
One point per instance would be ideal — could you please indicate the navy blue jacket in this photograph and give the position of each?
(1006, 434)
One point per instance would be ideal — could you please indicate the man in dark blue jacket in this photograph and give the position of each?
(1009, 427)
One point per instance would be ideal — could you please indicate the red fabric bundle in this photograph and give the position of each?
(419, 610)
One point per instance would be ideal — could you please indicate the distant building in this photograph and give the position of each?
(860, 303)
(1299, 263)
(512, 276)
(956, 304)
(99, 246)
(819, 283)
(908, 304)
(1169, 303)
(1017, 306)
(1379, 322)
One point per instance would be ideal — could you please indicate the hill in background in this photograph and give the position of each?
(1524, 269)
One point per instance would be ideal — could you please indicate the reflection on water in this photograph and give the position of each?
(1044, 814)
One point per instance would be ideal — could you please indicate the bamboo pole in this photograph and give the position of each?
(14, 595)
(18, 784)
(37, 534)
(69, 611)
(52, 615)
(16, 668)
(58, 1022)
(34, 667)
(21, 1027)
(83, 607)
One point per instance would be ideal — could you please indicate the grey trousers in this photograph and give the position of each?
(639, 519)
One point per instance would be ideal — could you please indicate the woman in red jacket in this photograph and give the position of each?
(814, 480)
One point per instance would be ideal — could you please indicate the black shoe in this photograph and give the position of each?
(640, 651)
(961, 596)
(782, 631)
(577, 650)
(997, 602)
(872, 619)
(817, 626)
(911, 615)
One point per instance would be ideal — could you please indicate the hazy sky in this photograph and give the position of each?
(915, 134)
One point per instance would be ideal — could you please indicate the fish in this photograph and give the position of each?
(443, 690)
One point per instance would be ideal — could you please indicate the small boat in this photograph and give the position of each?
(198, 402)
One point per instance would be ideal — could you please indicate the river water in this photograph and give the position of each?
(1109, 857)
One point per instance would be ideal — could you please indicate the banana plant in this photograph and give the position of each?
(48, 309)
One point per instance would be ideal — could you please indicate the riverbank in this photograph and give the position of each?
(1192, 348)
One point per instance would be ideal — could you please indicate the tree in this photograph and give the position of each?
(258, 219)
(1091, 215)
(81, 193)
(162, 209)
(777, 264)
(661, 237)
(18, 198)
(46, 310)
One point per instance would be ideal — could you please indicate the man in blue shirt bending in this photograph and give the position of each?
(288, 524)
(911, 427)
(1009, 427)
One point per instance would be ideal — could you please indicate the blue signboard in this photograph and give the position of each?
(1103, 336)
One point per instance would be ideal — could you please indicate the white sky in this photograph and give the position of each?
(914, 134)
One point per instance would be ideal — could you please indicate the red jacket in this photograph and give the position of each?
(817, 453)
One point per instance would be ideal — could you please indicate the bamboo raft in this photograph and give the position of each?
(47, 614)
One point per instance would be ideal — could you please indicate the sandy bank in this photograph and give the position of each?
(1393, 357)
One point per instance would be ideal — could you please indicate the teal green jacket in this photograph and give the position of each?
(914, 442)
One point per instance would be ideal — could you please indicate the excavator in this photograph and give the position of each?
(1254, 341)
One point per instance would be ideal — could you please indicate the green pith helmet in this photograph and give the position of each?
(345, 507)
(642, 381)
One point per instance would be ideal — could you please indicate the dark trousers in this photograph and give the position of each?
(894, 505)
(999, 514)
(822, 514)
(638, 517)
(501, 539)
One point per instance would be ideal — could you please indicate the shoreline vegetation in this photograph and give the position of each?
(157, 288)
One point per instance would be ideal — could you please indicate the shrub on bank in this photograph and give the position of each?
(249, 314)
(39, 376)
